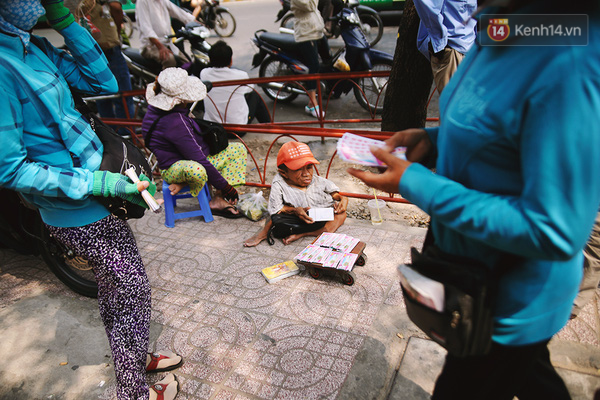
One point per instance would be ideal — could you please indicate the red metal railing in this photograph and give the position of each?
(288, 128)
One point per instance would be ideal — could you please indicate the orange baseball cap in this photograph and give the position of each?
(295, 155)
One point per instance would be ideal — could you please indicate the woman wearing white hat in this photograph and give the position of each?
(183, 156)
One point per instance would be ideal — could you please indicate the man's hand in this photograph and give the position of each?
(341, 204)
(302, 213)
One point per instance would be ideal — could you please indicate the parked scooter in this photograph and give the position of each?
(370, 21)
(22, 230)
(279, 56)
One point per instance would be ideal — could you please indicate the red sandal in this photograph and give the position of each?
(164, 388)
(163, 361)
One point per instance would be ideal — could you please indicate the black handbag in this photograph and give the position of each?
(119, 155)
(285, 225)
(465, 324)
(214, 134)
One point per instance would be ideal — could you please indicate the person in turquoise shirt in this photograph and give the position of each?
(50, 154)
(517, 160)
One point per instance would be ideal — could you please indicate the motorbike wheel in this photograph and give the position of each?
(74, 272)
(287, 21)
(373, 88)
(224, 23)
(127, 26)
(372, 26)
(271, 67)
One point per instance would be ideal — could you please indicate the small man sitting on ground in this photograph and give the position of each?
(294, 191)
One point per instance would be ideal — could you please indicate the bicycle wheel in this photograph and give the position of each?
(271, 67)
(372, 26)
(224, 23)
(374, 89)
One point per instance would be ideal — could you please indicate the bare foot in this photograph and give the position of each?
(219, 203)
(255, 240)
(292, 238)
(175, 188)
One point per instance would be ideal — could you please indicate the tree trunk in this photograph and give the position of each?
(405, 103)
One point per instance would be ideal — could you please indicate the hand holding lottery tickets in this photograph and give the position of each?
(417, 145)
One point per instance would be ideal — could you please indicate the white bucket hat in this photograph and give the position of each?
(176, 87)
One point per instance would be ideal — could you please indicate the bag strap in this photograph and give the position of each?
(151, 129)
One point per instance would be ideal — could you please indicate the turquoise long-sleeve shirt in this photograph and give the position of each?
(48, 151)
(518, 171)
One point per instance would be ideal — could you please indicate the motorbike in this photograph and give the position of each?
(144, 71)
(218, 18)
(370, 21)
(278, 55)
(22, 230)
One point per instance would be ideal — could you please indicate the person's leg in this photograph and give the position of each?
(496, 376)
(256, 108)
(310, 57)
(231, 163)
(444, 66)
(123, 296)
(591, 270)
(543, 382)
(260, 235)
(185, 172)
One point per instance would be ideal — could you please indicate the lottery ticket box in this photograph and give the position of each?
(317, 269)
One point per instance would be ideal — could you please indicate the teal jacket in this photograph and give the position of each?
(518, 171)
(48, 151)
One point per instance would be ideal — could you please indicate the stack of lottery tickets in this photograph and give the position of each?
(357, 149)
(332, 250)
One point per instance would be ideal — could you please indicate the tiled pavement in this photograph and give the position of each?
(241, 337)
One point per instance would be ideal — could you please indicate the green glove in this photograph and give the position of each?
(59, 16)
(116, 185)
(137, 198)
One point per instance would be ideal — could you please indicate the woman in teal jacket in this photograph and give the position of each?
(50, 154)
(518, 171)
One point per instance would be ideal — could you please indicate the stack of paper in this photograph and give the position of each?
(357, 149)
(332, 250)
(421, 288)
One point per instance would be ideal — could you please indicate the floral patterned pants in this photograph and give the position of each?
(123, 296)
(231, 164)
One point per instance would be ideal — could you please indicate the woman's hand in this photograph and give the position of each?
(416, 141)
(418, 146)
(387, 181)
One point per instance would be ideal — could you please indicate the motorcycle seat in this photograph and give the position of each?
(283, 41)
(136, 56)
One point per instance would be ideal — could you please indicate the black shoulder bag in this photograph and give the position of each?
(119, 155)
(464, 325)
(213, 133)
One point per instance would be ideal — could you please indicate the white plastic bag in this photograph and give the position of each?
(253, 205)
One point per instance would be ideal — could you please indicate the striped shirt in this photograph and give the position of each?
(48, 151)
(317, 194)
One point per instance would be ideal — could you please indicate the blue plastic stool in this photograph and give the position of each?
(171, 203)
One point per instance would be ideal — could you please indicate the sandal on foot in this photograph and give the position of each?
(163, 361)
(165, 389)
(227, 213)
